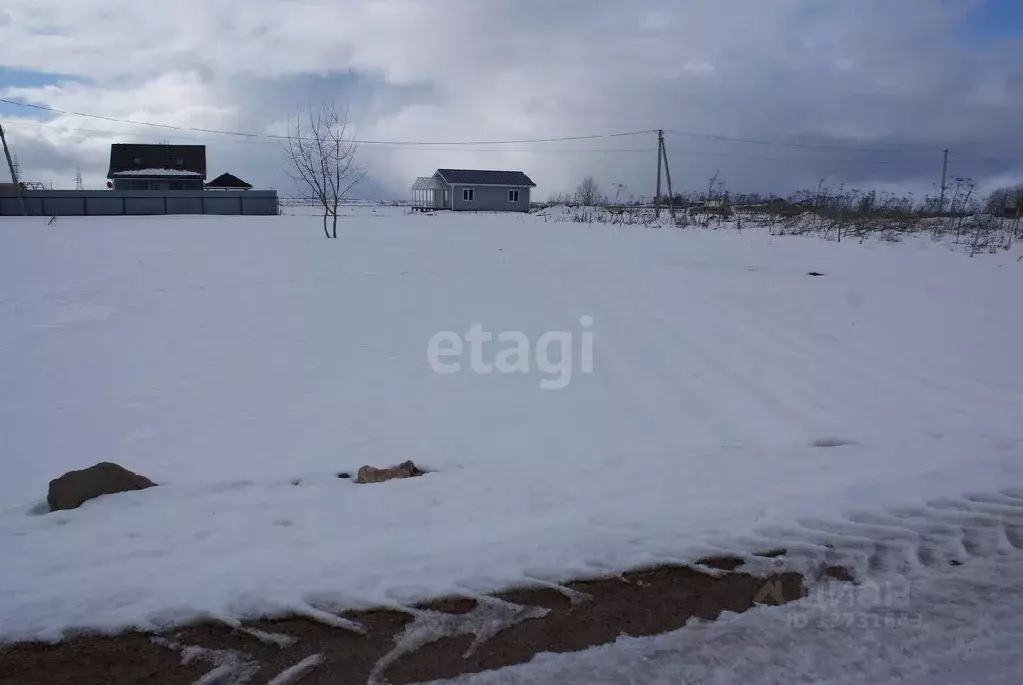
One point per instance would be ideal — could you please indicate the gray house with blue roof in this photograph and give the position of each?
(472, 190)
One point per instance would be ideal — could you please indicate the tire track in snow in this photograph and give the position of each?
(709, 386)
(846, 358)
(619, 379)
(794, 398)
(843, 360)
(871, 381)
(821, 380)
(901, 540)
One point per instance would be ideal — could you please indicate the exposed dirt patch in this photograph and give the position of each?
(722, 563)
(645, 602)
(460, 635)
(127, 658)
(450, 605)
(837, 573)
(833, 442)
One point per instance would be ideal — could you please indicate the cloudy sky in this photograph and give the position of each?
(862, 92)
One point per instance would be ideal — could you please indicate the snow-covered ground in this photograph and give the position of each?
(224, 357)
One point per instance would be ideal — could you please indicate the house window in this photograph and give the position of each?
(513, 196)
(468, 195)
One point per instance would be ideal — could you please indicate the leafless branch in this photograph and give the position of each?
(320, 156)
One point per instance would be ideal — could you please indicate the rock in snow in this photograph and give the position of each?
(75, 487)
(371, 474)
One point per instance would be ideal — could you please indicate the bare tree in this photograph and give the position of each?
(588, 192)
(715, 186)
(1003, 201)
(321, 157)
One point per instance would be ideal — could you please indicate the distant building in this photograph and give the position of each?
(228, 182)
(473, 189)
(157, 167)
(146, 179)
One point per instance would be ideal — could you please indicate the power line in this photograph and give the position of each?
(273, 136)
(834, 160)
(887, 151)
(473, 145)
(754, 141)
(380, 146)
(130, 134)
(466, 149)
(1013, 160)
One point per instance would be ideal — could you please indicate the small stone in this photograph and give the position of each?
(344, 474)
(371, 474)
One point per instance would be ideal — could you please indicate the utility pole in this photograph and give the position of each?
(14, 174)
(657, 195)
(667, 173)
(618, 193)
(944, 172)
(78, 179)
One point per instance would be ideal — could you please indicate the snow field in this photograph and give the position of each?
(224, 357)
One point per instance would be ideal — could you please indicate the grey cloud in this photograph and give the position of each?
(864, 73)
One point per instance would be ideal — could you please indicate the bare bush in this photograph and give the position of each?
(588, 192)
(1006, 201)
(836, 213)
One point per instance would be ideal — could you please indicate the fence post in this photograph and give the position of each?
(241, 205)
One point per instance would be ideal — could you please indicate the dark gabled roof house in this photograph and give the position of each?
(473, 189)
(228, 181)
(480, 177)
(157, 167)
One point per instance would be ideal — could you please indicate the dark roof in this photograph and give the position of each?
(132, 156)
(228, 181)
(485, 178)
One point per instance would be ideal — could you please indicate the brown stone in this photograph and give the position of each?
(371, 474)
(74, 488)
